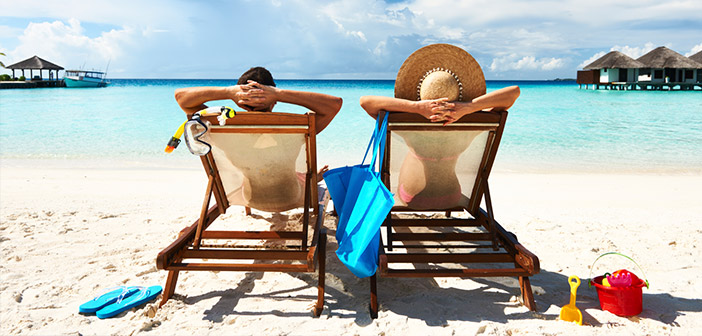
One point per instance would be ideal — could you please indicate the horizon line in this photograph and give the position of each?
(352, 79)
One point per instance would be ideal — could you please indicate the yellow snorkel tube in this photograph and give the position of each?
(175, 139)
(224, 112)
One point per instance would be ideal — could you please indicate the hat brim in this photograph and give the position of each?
(445, 56)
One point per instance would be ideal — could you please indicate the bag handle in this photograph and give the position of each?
(379, 142)
(589, 283)
(371, 142)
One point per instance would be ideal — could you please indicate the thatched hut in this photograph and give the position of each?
(667, 66)
(36, 63)
(698, 58)
(615, 67)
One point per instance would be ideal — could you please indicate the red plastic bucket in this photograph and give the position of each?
(620, 301)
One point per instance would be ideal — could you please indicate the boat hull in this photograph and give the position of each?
(84, 82)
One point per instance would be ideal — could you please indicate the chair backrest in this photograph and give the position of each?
(429, 166)
(265, 159)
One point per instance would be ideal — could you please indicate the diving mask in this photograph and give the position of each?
(193, 130)
(196, 128)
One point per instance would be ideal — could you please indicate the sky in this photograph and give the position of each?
(338, 39)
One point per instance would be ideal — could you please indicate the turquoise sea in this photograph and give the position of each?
(554, 126)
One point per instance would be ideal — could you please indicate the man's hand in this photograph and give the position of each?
(256, 96)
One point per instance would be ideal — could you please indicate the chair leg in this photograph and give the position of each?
(527, 294)
(247, 210)
(170, 287)
(322, 274)
(373, 297)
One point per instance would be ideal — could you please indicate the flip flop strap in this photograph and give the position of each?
(127, 290)
(108, 291)
(143, 292)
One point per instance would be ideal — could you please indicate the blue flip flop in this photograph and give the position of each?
(108, 296)
(144, 294)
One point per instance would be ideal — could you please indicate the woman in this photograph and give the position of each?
(441, 83)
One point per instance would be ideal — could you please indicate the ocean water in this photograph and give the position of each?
(553, 126)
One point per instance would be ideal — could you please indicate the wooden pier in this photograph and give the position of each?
(644, 86)
(31, 84)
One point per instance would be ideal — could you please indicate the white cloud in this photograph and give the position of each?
(591, 59)
(118, 13)
(694, 50)
(342, 38)
(7, 31)
(67, 45)
(514, 62)
(551, 64)
(635, 52)
(357, 34)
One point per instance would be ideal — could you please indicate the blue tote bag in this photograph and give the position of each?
(362, 202)
(337, 181)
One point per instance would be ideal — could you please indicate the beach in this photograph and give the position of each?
(69, 231)
(88, 199)
(592, 170)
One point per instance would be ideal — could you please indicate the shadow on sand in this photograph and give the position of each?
(423, 298)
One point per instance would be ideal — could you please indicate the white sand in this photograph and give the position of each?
(65, 234)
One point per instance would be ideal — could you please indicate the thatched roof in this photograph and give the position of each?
(663, 57)
(35, 62)
(697, 57)
(615, 60)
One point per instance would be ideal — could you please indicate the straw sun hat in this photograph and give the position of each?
(437, 71)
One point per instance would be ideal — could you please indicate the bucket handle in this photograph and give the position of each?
(589, 283)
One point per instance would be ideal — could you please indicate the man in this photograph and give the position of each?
(274, 184)
(256, 91)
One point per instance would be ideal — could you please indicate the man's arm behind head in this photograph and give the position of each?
(323, 105)
(193, 99)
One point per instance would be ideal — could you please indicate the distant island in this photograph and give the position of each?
(564, 80)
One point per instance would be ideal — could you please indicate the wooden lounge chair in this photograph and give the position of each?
(265, 161)
(455, 162)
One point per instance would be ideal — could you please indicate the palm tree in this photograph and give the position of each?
(1, 64)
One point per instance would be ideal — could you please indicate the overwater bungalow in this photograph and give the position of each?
(614, 67)
(698, 58)
(667, 66)
(660, 69)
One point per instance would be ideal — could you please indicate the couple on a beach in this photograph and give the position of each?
(440, 82)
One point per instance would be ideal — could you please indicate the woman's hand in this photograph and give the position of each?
(438, 110)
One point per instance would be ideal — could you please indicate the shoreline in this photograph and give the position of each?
(188, 162)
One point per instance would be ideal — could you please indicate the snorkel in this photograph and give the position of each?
(175, 139)
(224, 112)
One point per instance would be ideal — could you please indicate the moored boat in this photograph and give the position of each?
(83, 78)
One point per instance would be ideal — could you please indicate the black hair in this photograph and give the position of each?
(258, 74)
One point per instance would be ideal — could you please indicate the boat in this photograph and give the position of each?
(84, 78)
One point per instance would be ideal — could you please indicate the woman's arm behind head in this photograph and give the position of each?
(374, 104)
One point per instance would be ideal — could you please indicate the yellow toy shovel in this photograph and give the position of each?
(570, 312)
